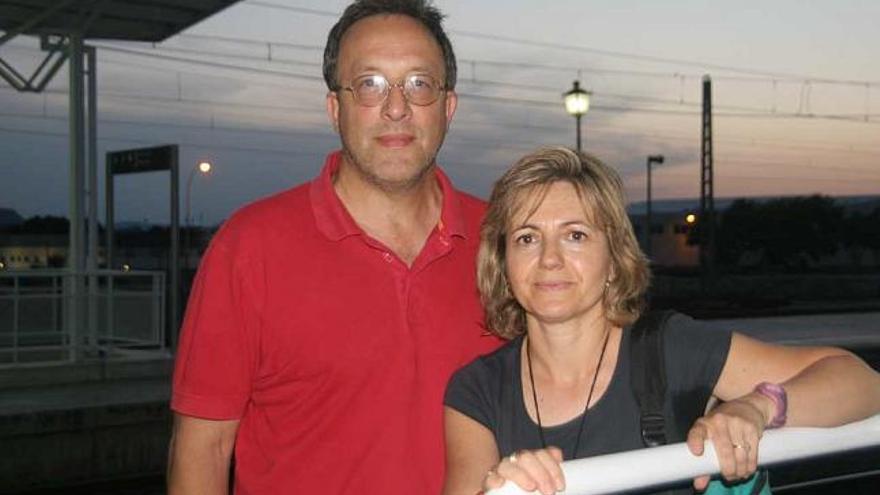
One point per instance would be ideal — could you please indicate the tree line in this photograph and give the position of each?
(794, 233)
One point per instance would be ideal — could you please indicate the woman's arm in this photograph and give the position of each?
(825, 386)
(470, 453)
(473, 463)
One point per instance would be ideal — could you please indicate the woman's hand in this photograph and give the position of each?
(735, 428)
(530, 470)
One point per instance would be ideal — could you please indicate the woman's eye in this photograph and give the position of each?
(525, 239)
(578, 236)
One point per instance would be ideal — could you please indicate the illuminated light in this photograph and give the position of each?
(205, 167)
(126, 267)
(577, 101)
(2, 265)
(690, 218)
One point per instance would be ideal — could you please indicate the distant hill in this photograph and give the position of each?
(861, 204)
(9, 218)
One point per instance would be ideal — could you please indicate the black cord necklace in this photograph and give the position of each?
(577, 442)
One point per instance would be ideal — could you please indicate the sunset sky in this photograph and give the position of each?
(796, 99)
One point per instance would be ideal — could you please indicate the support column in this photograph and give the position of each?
(93, 234)
(707, 193)
(75, 254)
(174, 259)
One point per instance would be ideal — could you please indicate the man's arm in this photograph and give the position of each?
(199, 455)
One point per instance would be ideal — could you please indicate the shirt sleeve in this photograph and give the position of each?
(217, 354)
(470, 392)
(695, 356)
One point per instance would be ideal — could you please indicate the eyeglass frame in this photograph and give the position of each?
(401, 83)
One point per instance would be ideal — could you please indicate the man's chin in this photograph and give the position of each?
(394, 172)
(397, 183)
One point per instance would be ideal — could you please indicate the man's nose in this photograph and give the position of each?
(396, 106)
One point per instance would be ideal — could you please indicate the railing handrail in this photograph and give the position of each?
(59, 272)
(670, 463)
(79, 314)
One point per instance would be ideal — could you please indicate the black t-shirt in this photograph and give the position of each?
(489, 391)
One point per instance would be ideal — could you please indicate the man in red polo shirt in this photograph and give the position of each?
(325, 320)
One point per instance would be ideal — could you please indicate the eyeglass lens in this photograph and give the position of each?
(371, 90)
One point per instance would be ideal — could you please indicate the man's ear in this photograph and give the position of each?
(333, 109)
(451, 105)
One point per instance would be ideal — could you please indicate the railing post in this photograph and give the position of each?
(73, 315)
(93, 311)
(15, 302)
(111, 307)
(158, 309)
(55, 296)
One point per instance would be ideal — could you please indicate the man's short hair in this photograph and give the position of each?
(521, 189)
(420, 10)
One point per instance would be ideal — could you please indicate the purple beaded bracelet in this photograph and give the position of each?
(777, 394)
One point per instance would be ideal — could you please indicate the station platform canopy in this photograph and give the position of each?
(130, 20)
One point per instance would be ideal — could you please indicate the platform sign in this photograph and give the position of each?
(142, 159)
(154, 159)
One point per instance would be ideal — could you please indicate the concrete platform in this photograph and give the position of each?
(67, 424)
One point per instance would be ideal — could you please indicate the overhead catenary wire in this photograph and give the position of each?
(587, 49)
(641, 103)
(151, 100)
(743, 112)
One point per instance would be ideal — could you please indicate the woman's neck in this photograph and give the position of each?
(568, 352)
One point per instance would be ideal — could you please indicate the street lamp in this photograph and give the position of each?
(658, 159)
(577, 102)
(203, 167)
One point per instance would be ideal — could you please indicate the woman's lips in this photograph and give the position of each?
(551, 286)
(395, 140)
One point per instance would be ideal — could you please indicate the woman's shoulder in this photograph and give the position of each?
(684, 329)
(496, 361)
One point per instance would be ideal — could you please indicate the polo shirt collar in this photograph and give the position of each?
(335, 223)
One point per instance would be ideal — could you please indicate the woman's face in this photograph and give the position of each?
(557, 258)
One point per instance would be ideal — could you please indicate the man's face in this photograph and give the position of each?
(394, 144)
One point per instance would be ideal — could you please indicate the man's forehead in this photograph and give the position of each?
(387, 33)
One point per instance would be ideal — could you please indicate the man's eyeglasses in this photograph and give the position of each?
(418, 89)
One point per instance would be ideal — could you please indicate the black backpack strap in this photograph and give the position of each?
(648, 374)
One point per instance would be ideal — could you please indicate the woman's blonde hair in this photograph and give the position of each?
(601, 193)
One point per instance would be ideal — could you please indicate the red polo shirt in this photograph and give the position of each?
(332, 353)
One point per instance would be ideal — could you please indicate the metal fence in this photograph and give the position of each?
(58, 316)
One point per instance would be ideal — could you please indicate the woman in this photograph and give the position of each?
(561, 276)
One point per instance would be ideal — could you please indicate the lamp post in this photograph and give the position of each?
(658, 159)
(577, 102)
(203, 167)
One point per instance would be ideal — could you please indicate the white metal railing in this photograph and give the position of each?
(59, 316)
(670, 463)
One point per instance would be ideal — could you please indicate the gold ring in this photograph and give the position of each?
(512, 458)
(738, 446)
